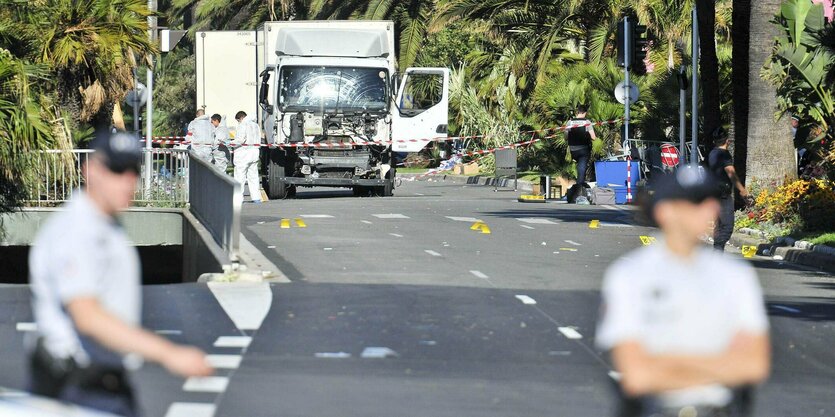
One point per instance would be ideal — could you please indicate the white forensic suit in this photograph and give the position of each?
(247, 137)
(200, 133)
(221, 138)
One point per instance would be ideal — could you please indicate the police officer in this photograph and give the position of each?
(247, 139)
(721, 165)
(200, 133)
(221, 137)
(685, 325)
(85, 280)
(579, 135)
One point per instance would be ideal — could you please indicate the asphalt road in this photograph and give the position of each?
(467, 323)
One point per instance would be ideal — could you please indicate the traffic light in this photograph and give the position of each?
(638, 46)
(619, 43)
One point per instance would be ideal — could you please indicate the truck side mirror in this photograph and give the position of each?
(395, 84)
(264, 92)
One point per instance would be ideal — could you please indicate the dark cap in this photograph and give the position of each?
(120, 151)
(688, 184)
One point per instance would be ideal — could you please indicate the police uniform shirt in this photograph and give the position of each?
(82, 252)
(580, 122)
(675, 306)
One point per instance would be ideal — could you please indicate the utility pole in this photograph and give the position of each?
(627, 38)
(149, 118)
(682, 104)
(694, 147)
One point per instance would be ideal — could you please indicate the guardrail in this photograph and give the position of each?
(60, 174)
(215, 199)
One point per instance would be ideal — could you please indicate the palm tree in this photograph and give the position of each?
(764, 147)
(91, 49)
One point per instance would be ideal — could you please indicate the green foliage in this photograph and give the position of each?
(174, 93)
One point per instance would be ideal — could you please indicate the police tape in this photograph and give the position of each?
(181, 140)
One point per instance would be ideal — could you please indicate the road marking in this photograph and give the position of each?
(784, 308)
(190, 410)
(224, 361)
(395, 235)
(571, 242)
(535, 220)
(206, 384)
(378, 353)
(479, 274)
(246, 303)
(421, 194)
(27, 327)
(463, 219)
(366, 222)
(647, 240)
(594, 224)
(169, 332)
(608, 224)
(332, 355)
(433, 253)
(300, 222)
(390, 216)
(610, 207)
(316, 216)
(614, 375)
(271, 247)
(285, 223)
(233, 341)
(569, 249)
(570, 333)
(525, 299)
(328, 249)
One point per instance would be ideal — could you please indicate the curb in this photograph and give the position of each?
(523, 185)
(787, 249)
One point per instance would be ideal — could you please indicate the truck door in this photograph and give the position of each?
(422, 109)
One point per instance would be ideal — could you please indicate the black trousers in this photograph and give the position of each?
(724, 224)
(581, 156)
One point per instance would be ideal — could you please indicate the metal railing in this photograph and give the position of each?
(215, 199)
(59, 174)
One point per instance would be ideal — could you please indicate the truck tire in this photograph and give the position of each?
(279, 162)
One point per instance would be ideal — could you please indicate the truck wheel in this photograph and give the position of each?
(360, 191)
(385, 190)
(276, 187)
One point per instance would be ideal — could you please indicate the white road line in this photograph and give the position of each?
(610, 207)
(169, 332)
(571, 242)
(607, 224)
(479, 274)
(535, 220)
(224, 361)
(433, 253)
(421, 194)
(190, 410)
(316, 216)
(27, 327)
(233, 341)
(525, 299)
(206, 384)
(391, 216)
(463, 219)
(367, 222)
(378, 353)
(527, 227)
(570, 333)
(332, 355)
(614, 375)
(246, 303)
(395, 235)
(784, 308)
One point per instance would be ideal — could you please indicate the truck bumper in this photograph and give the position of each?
(335, 182)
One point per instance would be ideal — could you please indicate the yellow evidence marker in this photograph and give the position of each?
(594, 224)
(476, 225)
(300, 222)
(285, 223)
(749, 251)
(647, 240)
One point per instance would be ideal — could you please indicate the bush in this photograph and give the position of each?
(801, 205)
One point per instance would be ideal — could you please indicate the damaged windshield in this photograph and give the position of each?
(332, 89)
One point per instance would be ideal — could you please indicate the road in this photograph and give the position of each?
(467, 323)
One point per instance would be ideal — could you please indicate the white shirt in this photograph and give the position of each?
(673, 306)
(81, 252)
(200, 130)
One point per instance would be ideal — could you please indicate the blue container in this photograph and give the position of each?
(613, 173)
(620, 195)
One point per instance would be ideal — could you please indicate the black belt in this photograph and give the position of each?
(50, 375)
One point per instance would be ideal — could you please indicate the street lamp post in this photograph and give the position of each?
(149, 109)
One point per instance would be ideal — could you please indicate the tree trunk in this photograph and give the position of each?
(709, 70)
(739, 80)
(770, 157)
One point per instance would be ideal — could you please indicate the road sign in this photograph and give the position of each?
(669, 155)
(137, 97)
(168, 39)
(620, 93)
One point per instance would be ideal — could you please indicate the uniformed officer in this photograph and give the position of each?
(85, 280)
(579, 135)
(721, 165)
(686, 326)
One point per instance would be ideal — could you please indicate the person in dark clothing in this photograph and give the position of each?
(579, 134)
(721, 164)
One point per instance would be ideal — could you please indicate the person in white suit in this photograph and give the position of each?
(201, 136)
(247, 139)
(221, 136)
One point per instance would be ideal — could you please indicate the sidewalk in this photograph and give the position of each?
(523, 185)
(787, 249)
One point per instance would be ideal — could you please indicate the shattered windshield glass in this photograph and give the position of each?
(332, 89)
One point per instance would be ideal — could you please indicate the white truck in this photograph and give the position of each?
(334, 109)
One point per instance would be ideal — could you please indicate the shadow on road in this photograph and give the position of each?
(815, 309)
